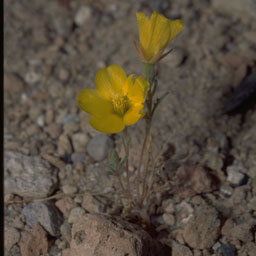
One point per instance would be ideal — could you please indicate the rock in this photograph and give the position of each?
(95, 234)
(79, 141)
(237, 230)
(75, 214)
(44, 213)
(216, 246)
(78, 199)
(63, 75)
(65, 230)
(198, 253)
(34, 242)
(69, 189)
(226, 190)
(83, 15)
(168, 206)
(64, 145)
(169, 219)
(202, 230)
(65, 205)
(248, 249)
(180, 250)
(99, 146)
(78, 158)
(54, 130)
(49, 116)
(15, 250)
(227, 250)
(70, 128)
(32, 77)
(238, 196)
(40, 121)
(61, 244)
(97, 179)
(12, 83)
(92, 205)
(192, 180)
(234, 177)
(240, 8)
(184, 212)
(11, 237)
(252, 204)
(28, 176)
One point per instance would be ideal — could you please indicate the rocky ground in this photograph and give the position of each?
(208, 207)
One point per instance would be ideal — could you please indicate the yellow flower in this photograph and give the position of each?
(155, 33)
(117, 101)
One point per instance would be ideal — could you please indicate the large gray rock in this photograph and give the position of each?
(95, 234)
(28, 176)
(46, 214)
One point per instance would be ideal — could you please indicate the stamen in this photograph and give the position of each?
(121, 104)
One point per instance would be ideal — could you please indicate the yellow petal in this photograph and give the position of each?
(90, 101)
(133, 115)
(109, 124)
(176, 27)
(137, 89)
(110, 81)
(145, 29)
(160, 34)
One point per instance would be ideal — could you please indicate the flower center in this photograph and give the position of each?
(121, 104)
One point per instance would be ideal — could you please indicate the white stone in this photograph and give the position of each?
(234, 177)
(83, 15)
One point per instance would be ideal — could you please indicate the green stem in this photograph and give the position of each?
(126, 144)
(149, 71)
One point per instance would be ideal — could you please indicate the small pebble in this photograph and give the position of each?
(78, 158)
(40, 121)
(32, 77)
(226, 190)
(69, 189)
(79, 141)
(75, 214)
(169, 219)
(63, 75)
(78, 199)
(61, 244)
(216, 246)
(83, 14)
(168, 206)
(98, 147)
(235, 177)
(65, 230)
(252, 203)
